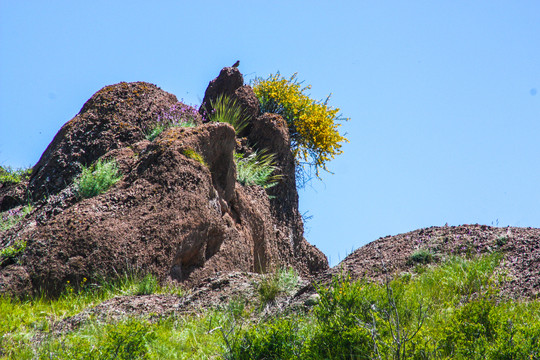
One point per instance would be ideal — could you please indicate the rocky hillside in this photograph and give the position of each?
(520, 249)
(177, 216)
(188, 219)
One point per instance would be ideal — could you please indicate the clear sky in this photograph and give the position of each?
(443, 96)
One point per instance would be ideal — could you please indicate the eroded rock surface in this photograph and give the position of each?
(179, 216)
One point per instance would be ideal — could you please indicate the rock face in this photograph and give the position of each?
(113, 118)
(172, 214)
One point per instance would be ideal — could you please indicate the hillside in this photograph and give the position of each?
(189, 252)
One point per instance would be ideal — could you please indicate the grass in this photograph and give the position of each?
(282, 281)
(10, 218)
(227, 110)
(9, 175)
(158, 128)
(22, 319)
(462, 317)
(11, 252)
(257, 169)
(97, 179)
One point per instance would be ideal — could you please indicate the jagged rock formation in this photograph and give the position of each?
(170, 214)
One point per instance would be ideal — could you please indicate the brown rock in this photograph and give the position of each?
(178, 211)
(227, 82)
(230, 82)
(114, 117)
(249, 102)
(14, 280)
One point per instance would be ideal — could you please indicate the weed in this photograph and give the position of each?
(10, 218)
(228, 110)
(147, 285)
(178, 115)
(282, 281)
(257, 169)
(97, 179)
(8, 175)
(11, 252)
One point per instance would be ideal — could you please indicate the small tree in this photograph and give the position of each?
(313, 126)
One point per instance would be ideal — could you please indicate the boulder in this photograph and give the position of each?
(178, 211)
(114, 117)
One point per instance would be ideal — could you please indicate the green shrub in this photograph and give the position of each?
(13, 251)
(8, 175)
(227, 110)
(97, 179)
(420, 256)
(282, 281)
(276, 339)
(10, 218)
(257, 169)
(312, 124)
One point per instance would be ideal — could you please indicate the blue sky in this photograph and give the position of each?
(443, 96)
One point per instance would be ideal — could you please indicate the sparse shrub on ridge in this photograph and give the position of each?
(313, 126)
(421, 256)
(97, 178)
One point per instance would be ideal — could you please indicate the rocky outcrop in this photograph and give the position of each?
(179, 216)
(519, 247)
(230, 83)
(113, 118)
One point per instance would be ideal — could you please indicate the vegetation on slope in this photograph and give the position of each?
(451, 311)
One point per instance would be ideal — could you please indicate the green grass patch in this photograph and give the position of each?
(282, 281)
(10, 218)
(9, 175)
(450, 311)
(257, 169)
(97, 178)
(228, 110)
(23, 319)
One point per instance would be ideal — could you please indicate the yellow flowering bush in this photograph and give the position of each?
(315, 138)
